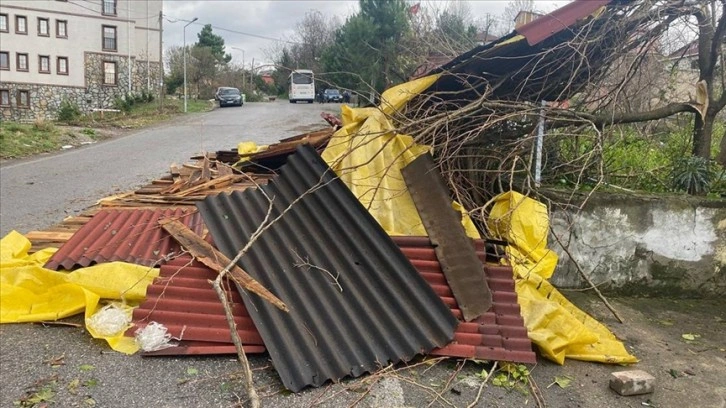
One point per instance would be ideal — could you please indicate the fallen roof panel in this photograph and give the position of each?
(183, 300)
(356, 303)
(498, 334)
(183, 291)
(124, 235)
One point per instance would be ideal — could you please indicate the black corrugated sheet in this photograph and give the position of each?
(356, 301)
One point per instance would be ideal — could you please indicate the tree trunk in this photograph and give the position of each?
(702, 132)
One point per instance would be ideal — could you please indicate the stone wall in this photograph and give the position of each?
(139, 83)
(644, 245)
(45, 100)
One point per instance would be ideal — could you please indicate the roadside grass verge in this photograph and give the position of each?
(142, 114)
(20, 139)
(26, 139)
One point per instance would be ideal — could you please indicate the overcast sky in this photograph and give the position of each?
(254, 25)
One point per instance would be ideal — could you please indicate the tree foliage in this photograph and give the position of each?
(206, 38)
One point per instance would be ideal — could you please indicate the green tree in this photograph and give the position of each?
(367, 54)
(454, 33)
(206, 38)
(283, 67)
(202, 68)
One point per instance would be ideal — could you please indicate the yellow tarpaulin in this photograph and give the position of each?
(368, 155)
(555, 325)
(31, 293)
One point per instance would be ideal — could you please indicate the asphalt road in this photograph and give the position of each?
(39, 192)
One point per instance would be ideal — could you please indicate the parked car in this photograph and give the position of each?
(332, 95)
(228, 96)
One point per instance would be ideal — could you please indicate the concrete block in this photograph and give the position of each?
(633, 382)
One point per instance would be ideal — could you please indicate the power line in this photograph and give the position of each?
(119, 15)
(169, 19)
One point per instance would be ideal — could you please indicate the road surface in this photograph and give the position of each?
(41, 191)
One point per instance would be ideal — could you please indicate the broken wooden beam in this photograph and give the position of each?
(208, 255)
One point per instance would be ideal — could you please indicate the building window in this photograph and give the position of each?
(21, 62)
(109, 7)
(43, 27)
(109, 38)
(4, 97)
(44, 64)
(4, 60)
(62, 65)
(21, 25)
(61, 28)
(109, 73)
(23, 99)
(4, 24)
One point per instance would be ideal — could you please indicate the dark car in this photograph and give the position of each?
(228, 96)
(332, 95)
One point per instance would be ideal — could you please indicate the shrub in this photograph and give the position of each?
(692, 174)
(123, 104)
(68, 111)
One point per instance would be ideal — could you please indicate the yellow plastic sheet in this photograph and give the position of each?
(555, 325)
(368, 155)
(31, 293)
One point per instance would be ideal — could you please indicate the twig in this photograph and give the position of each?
(459, 367)
(537, 393)
(249, 386)
(587, 279)
(306, 263)
(481, 387)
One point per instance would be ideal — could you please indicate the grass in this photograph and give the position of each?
(143, 114)
(19, 140)
(22, 140)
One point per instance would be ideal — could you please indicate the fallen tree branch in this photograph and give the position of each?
(483, 383)
(587, 279)
(206, 254)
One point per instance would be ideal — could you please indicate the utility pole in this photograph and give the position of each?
(161, 64)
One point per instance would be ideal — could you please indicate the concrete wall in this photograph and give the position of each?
(644, 245)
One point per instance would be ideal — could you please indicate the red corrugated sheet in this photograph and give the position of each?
(182, 299)
(556, 21)
(124, 235)
(499, 334)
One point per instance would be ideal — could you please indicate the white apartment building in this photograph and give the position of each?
(88, 52)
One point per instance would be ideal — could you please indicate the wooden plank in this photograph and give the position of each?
(463, 270)
(49, 236)
(206, 254)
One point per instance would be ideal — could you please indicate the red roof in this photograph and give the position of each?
(124, 235)
(558, 20)
(183, 300)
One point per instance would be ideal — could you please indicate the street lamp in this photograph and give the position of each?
(243, 62)
(185, 63)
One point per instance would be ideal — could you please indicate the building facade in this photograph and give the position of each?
(85, 52)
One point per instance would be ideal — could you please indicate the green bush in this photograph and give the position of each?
(123, 104)
(68, 111)
(692, 174)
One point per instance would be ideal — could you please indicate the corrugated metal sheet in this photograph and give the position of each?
(356, 302)
(123, 235)
(182, 298)
(535, 68)
(558, 20)
(499, 334)
(463, 270)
